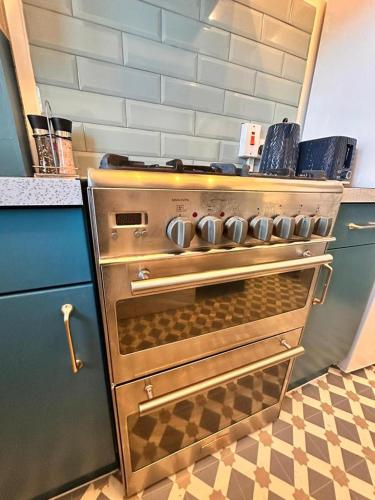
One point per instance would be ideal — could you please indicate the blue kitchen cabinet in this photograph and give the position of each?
(42, 247)
(331, 327)
(55, 426)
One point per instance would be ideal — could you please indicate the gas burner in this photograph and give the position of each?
(118, 162)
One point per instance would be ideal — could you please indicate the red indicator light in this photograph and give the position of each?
(222, 214)
(252, 139)
(194, 214)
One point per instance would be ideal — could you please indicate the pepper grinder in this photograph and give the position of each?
(44, 143)
(63, 139)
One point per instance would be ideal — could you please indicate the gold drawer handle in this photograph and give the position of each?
(172, 397)
(77, 364)
(353, 225)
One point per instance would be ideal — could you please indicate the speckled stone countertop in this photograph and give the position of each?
(359, 195)
(31, 191)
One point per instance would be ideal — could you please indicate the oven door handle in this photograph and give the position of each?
(327, 282)
(190, 280)
(172, 397)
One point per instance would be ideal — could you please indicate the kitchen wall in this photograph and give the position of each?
(342, 94)
(168, 78)
(15, 159)
(3, 25)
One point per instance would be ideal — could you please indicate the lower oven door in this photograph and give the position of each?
(222, 301)
(195, 409)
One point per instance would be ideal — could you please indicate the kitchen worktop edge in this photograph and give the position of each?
(32, 191)
(358, 195)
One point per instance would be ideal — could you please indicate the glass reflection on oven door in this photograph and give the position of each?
(161, 433)
(160, 319)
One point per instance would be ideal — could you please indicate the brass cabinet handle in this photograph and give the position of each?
(172, 397)
(353, 225)
(223, 275)
(323, 297)
(77, 364)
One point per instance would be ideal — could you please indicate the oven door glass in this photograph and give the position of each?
(151, 321)
(156, 435)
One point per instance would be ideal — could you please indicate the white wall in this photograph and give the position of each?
(3, 26)
(342, 100)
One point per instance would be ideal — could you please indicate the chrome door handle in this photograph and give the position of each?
(353, 225)
(172, 397)
(191, 280)
(323, 297)
(77, 364)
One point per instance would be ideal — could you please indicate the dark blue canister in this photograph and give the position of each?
(280, 150)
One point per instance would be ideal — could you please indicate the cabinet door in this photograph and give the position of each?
(42, 247)
(55, 427)
(331, 328)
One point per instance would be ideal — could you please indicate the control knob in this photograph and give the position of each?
(283, 226)
(235, 229)
(261, 227)
(304, 226)
(180, 230)
(322, 225)
(210, 229)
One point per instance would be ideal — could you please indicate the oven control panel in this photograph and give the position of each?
(140, 222)
(213, 230)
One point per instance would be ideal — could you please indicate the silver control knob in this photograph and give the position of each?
(283, 226)
(210, 229)
(261, 228)
(322, 225)
(181, 231)
(304, 226)
(235, 229)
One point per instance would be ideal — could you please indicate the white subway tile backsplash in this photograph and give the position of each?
(283, 111)
(78, 136)
(84, 160)
(53, 67)
(274, 8)
(194, 35)
(294, 68)
(177, 146)
(277, 89)
(68, 34)
(233, 17)
(217, 126)
(86, 106)
(130, 15)
(249, 108)
(303, 15)
(255, 55)
(160, 79)
(225, 75)
(157, 117)
(158, 57)
(185, 7)
(191, 95)
(285, 37)
(62, 6)
(229, 151)
(112, 79)
(121, 140)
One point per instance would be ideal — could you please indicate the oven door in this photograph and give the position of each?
(198, 408)
(222, 300)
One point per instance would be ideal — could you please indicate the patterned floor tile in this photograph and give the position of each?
(321, 447)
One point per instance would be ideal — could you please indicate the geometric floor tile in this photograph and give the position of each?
(321, 447)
